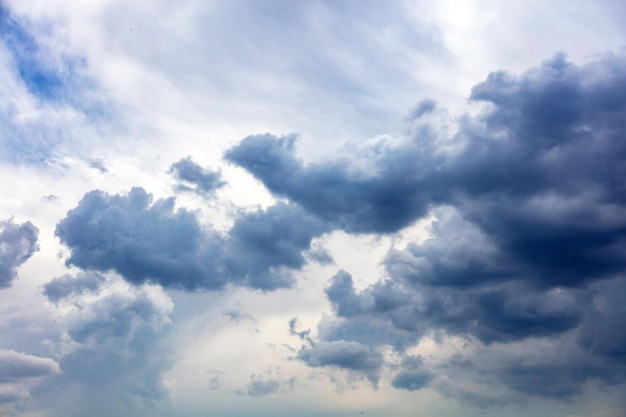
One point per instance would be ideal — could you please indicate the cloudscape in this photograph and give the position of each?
(244, 208)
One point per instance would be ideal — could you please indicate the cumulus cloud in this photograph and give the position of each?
(146, 240)
(113, 344)
(412, 376)
(16, 366)
(343, 354)
(19, 374)
(192, 177)
(539, 173)
(269, 382)
(65, 286)
(526, 246)
(382, 198)
(18, 242)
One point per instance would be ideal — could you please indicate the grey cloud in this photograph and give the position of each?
(412, 376)
(602, 332)
(18, 242)
(423, 107)
(99, 165)
(261, 241)
(238, 316)
(16, 366)
(527, 245)
(114, 345)
(193, 178)
(146, 240)
(385, 199)
(67, 285)
(345, 355)
(538, 174)
(20, 374)
(320, 255)
(302, 334)
(269, 383)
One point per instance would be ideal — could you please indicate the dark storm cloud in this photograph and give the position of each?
(528, 243)
(146, 240)
(18, 242)
(193, 178)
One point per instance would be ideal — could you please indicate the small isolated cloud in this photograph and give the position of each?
(18, 242)
(98, 165)
(304, 335)
(146, 240)
(238, 316)
(270, 382)
(192, 177)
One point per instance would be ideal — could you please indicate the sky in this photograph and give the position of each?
(322, 208)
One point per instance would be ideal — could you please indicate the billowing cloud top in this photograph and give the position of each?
(151, 241)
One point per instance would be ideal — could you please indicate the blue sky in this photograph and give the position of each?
(312, 208)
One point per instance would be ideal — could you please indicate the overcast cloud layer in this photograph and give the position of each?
(242, 208)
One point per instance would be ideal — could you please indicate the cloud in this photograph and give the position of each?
(67, 285)
(20, 373)
(17, 244)
(344, 355)
(412, 376)
(526, 246)
(193, 178)
(270, 382)
(423, 107)
(114, 344)
(381, 197)
(16, 366)
(146, 240)
(538, 173)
